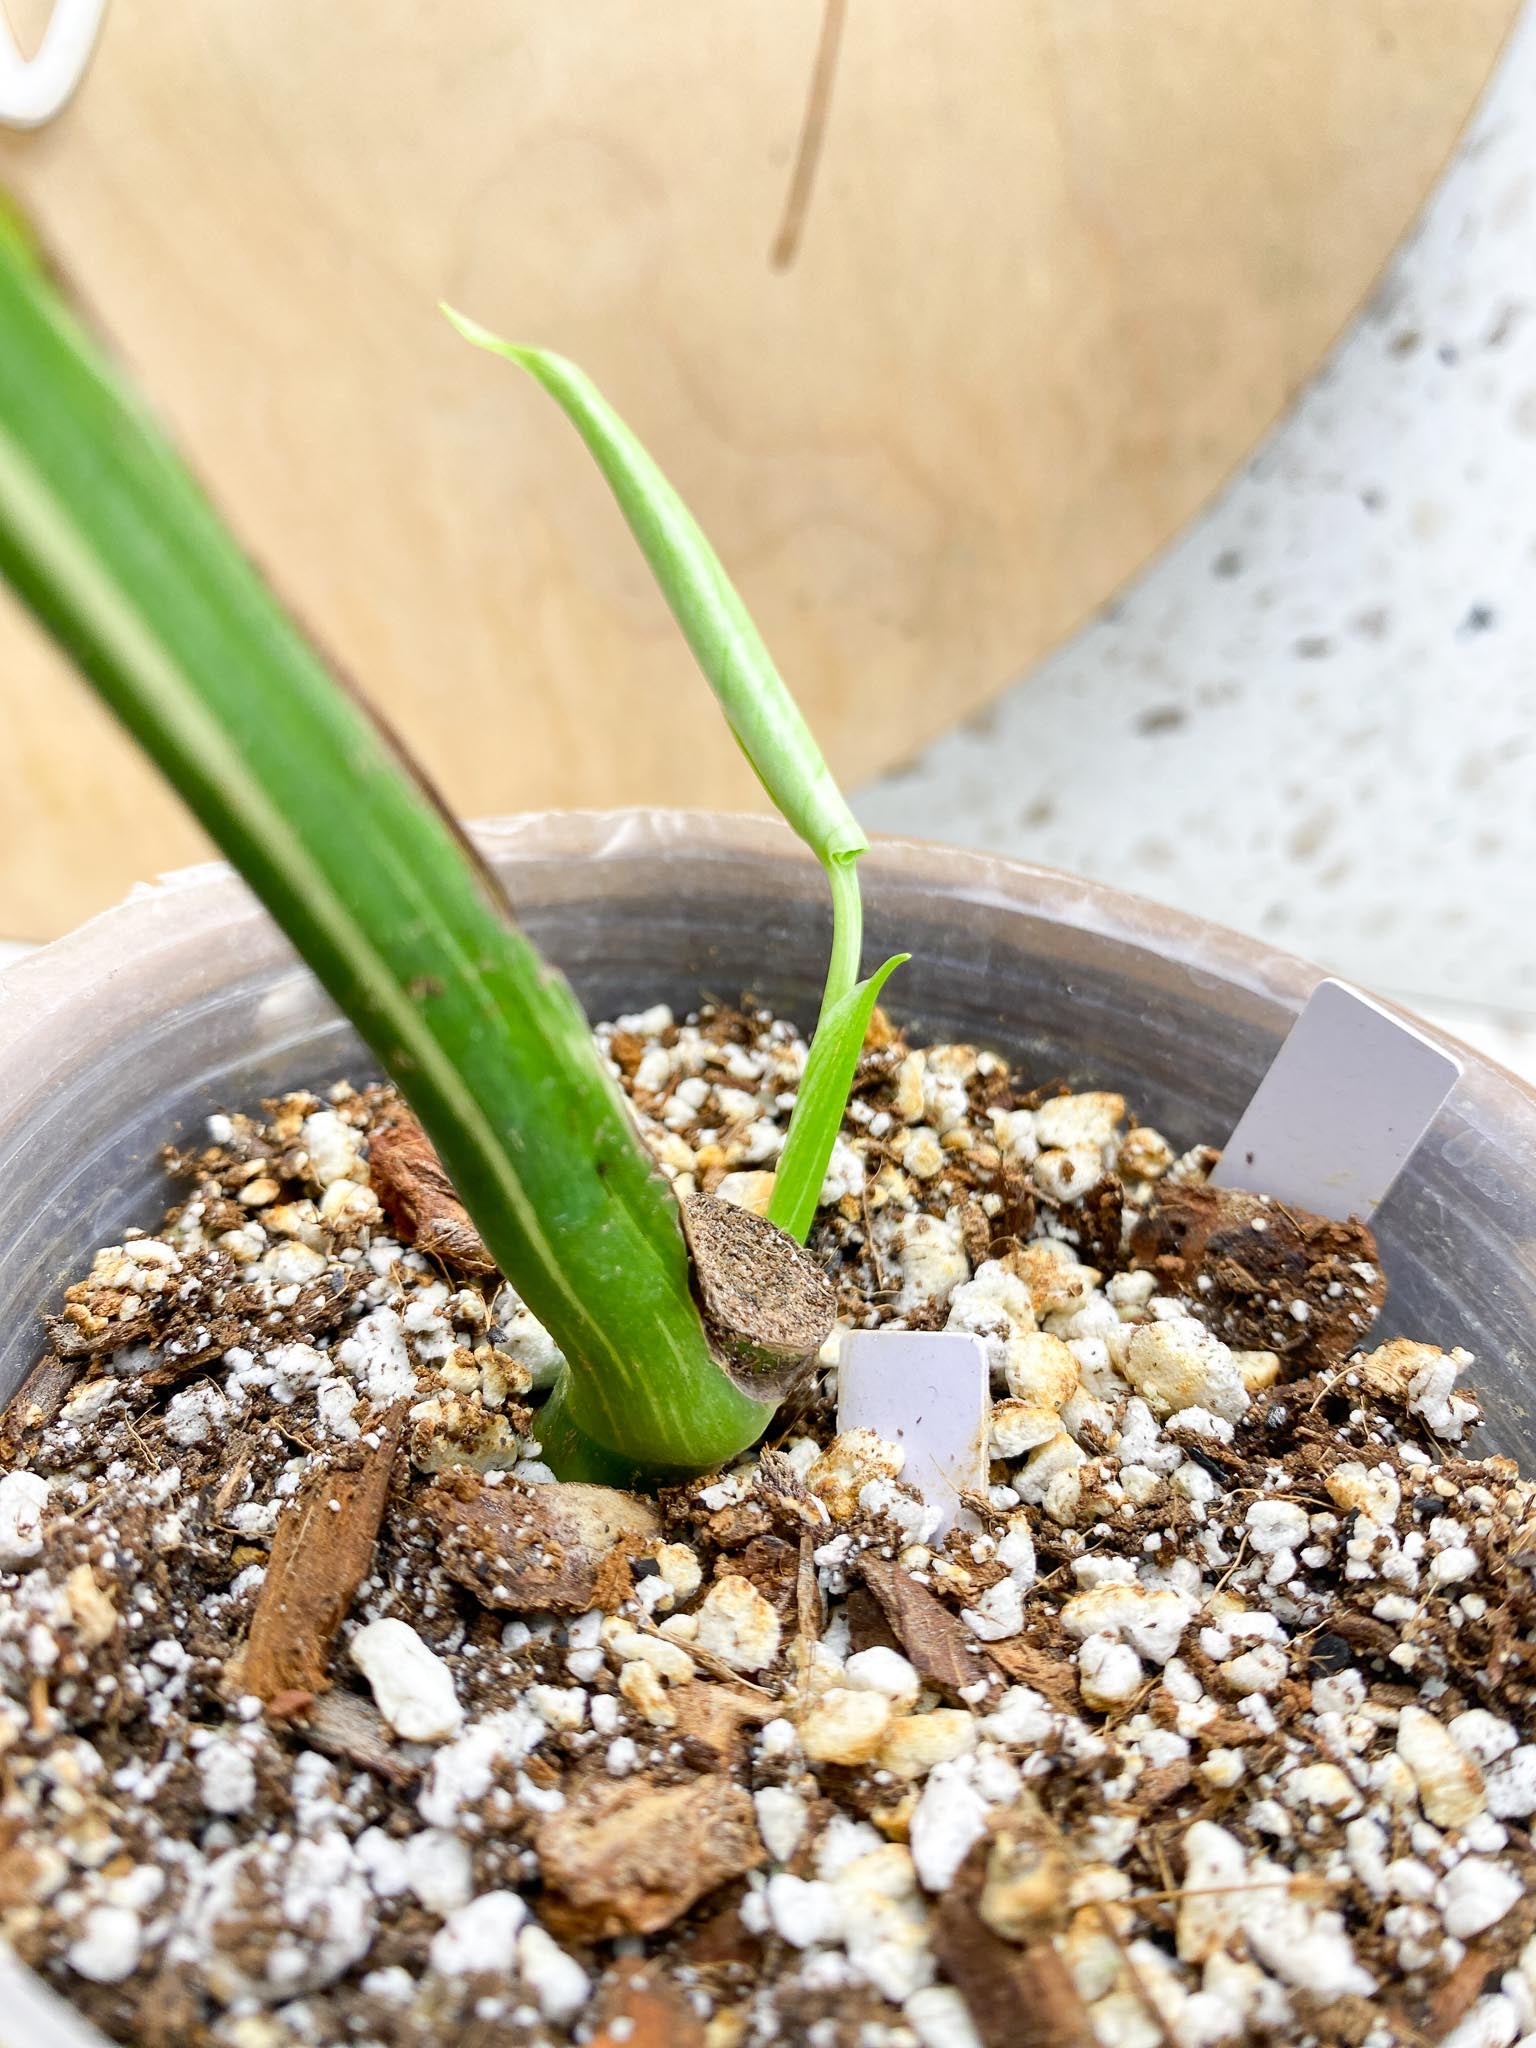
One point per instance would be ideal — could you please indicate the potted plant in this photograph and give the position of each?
(334, 1710)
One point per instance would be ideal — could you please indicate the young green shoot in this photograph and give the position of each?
(771, 732)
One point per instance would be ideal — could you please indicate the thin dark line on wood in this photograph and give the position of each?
(813, 129)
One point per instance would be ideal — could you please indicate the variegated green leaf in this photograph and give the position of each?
(113, 546)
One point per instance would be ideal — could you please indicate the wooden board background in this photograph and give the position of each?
(1064, 262)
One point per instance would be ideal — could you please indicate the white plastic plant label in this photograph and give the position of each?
(928, 1391)
(1349, 1096)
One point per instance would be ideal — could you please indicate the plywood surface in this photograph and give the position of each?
(1065, 260)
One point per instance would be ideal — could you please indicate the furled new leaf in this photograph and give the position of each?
(729, 649)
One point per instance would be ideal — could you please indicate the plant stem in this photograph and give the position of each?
(772, 734)
(847, 930)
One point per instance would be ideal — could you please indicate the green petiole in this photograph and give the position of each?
(762, 714)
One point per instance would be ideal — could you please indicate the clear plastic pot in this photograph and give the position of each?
(185, 999)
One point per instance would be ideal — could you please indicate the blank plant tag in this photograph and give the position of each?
(928, 1391)
(1350, 1094)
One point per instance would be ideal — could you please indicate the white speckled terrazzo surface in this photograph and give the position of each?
(1314, 717)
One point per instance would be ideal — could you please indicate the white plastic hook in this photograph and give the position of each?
(34, 89)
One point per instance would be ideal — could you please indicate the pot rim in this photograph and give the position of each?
(209, 895)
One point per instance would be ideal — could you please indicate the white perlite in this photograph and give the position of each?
(939, 2017)
(438, 1869)
(950, 1816)
(1511, 1784)
(108, 1945)
(332, 1147)
(1275, 1525)
(1109, 1672)
(781, 1820)
(311, 1912)
(412, 1686)
(1176, 1363)
(998, 1614)
(884, 1671)
(461, 1773)
(737, 1625)
(1476, 1894)
(558, 1982)
(196, 1414)
(23, 1503)
(803, 1911)
(479, 1937)
(228, 1777)
(376, 1356)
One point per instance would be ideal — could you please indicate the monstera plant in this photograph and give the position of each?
(111, 543)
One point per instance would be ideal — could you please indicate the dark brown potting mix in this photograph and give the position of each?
(329, 1717)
